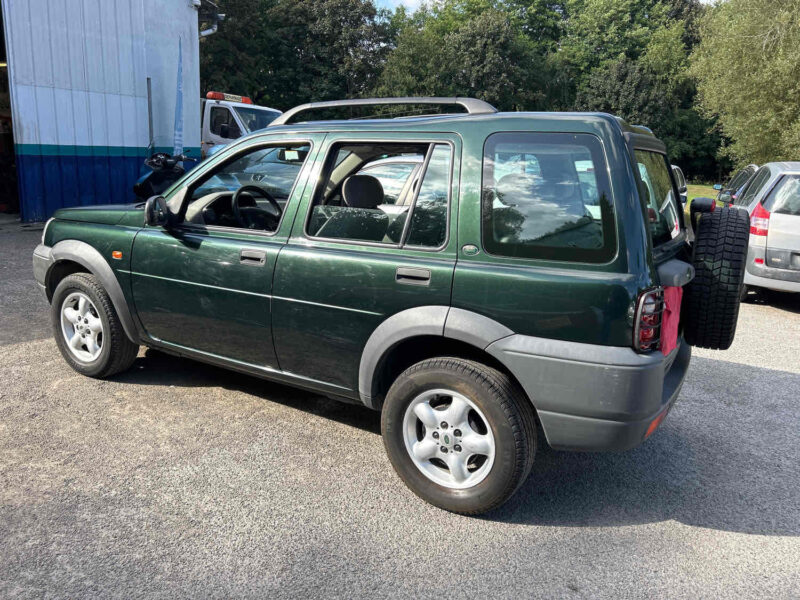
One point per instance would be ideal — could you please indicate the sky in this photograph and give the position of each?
(395, 3)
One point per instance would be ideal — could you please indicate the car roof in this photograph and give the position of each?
(241, 105)
(783, 166)
(455, 122)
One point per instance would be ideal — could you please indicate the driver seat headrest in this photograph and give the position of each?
(362, 191)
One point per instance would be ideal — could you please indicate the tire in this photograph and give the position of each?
(499, 414)
(713, 297)
(115, 352)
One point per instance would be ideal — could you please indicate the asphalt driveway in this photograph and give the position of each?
(179, 479)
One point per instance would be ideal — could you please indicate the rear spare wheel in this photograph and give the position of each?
(711, 300)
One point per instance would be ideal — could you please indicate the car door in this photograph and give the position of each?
(334, 287)
(204, 284)
(222, 127)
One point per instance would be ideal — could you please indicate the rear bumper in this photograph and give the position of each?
(42, 260)
(594, 398)
(786, 280)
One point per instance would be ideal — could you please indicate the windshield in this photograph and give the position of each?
(256, 118)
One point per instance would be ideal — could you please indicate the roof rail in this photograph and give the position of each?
(472, 105)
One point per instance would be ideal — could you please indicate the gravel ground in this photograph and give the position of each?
(178, 479)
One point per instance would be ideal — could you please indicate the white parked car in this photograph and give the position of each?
(772, 199)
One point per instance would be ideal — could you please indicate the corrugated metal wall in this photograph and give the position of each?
(78, 74)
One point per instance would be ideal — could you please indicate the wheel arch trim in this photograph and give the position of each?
(89, 258)
(453, 323)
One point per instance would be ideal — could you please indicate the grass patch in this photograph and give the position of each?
(701, 191)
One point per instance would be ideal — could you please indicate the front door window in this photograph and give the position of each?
(249, 191)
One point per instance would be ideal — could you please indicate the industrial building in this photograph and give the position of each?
(86, 87)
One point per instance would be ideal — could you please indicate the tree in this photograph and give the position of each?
(286, 52)
(748, 71)
(450, 52)
(626, 89)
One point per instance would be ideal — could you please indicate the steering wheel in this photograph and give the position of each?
(251, 216)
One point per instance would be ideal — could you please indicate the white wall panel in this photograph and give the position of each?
(26, 125)
(80, 116)
(65, 120)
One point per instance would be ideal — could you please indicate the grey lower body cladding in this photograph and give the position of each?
(593, 398)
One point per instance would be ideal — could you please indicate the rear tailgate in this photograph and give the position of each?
(783, 234)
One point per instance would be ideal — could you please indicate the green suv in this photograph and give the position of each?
(481, 278)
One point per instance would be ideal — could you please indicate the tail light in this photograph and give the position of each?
(759, 221)
(647, 326)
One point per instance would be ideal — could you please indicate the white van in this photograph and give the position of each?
(226, 117)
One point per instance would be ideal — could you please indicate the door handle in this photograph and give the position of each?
(412, 276)
(253, 257)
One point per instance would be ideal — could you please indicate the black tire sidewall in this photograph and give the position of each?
(712, 298)
(67, 286)
(494, 488)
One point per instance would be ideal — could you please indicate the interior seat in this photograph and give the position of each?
(359, 218)
(362, 191)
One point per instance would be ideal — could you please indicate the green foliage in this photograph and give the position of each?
(748, 73)
(627, 57)
(286, 52)
(483, 56)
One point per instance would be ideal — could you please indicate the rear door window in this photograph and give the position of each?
(547, 195)
(658, 196)
(351, 201)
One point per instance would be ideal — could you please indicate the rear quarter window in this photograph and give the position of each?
(547, 196)
(784, 199)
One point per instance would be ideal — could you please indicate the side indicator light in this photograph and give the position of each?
(655, 423)
(758, 261)
(116, 254)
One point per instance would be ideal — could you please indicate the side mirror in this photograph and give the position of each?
(718, 186)
(225, 131)
(156, 212)
(726, 198)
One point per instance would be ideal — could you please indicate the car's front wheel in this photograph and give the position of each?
(460, 434)
(87, 330)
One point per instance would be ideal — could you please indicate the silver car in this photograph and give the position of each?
(772, 199)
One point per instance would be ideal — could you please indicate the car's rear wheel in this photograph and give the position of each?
(711, 302)
(460, 434)
(87, 330)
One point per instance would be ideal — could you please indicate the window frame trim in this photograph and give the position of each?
(322, 179)
(613, 225)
